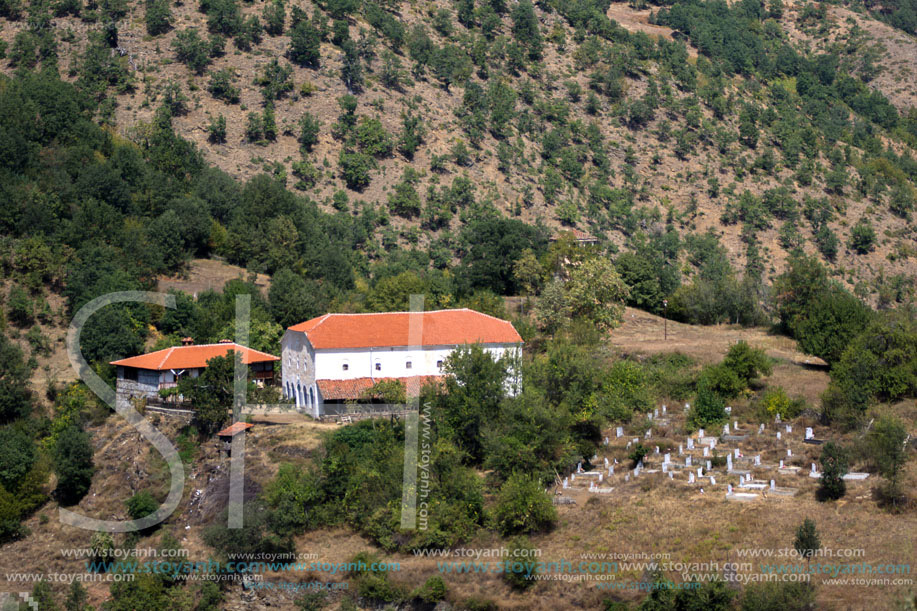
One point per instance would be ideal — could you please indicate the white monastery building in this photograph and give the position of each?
(337, 357)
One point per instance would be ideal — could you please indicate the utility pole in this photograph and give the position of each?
(665, 319)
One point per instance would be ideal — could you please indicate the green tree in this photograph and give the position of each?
(216, 131)
(829, 322)
(470, 396)
(141, 505)
(211, 393)
(807, 541)
(158, 17)
(275, 81)
(305, 45)
(192, 50)
(221, 86)
(834, 464)
(309, 127)
(17, 456)
(73, 464)
(412, 134)
(880, 364)
(862, 237)
(355, 168)
(20, 307)
(525, 28)
(708, 409)
(404, 200)
(523, 507)
(293, 299)
(352, 68)
(274, 15)
(552, 310)
(885, 442)
(748, 363)
(77, 598)
(596, 293)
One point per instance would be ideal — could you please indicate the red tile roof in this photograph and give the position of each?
(354, 389)
(189, 357)
(387, 329)
(234, 429)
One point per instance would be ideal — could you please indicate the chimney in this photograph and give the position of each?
(187, 341)
(225, 341)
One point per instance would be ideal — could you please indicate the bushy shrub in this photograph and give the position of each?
(834, 462)
(520, 567)
(73, 464)
(746, 362)
(708, 409)
(523, 507)
(722, 380)
(776, 401)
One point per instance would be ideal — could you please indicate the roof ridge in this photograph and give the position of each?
(166, 356)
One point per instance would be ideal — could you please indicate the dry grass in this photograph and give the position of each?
(210, 274)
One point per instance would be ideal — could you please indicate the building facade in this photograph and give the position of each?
(337, 357)
(145, 375)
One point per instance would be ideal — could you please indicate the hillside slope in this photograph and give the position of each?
(569, 114)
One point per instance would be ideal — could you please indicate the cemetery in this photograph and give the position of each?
(763, 463)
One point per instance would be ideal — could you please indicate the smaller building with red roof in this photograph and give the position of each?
(143, 376)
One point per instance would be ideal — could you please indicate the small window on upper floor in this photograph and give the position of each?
(439, 364)
(378, 366)
(407, 365)
(345, 366)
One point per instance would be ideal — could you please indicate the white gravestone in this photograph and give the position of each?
(666, 458)
(809, 433)
(691, 477)
(773, 485)
(690, 443)
(729, 462)
(619, 431)
(687, 461)
(663, 410)
(712, 481)
(706, 451)
(681, 449)
(737, 453)
(709, 466)
(789, 452)
(789, 429)
(778, 436)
